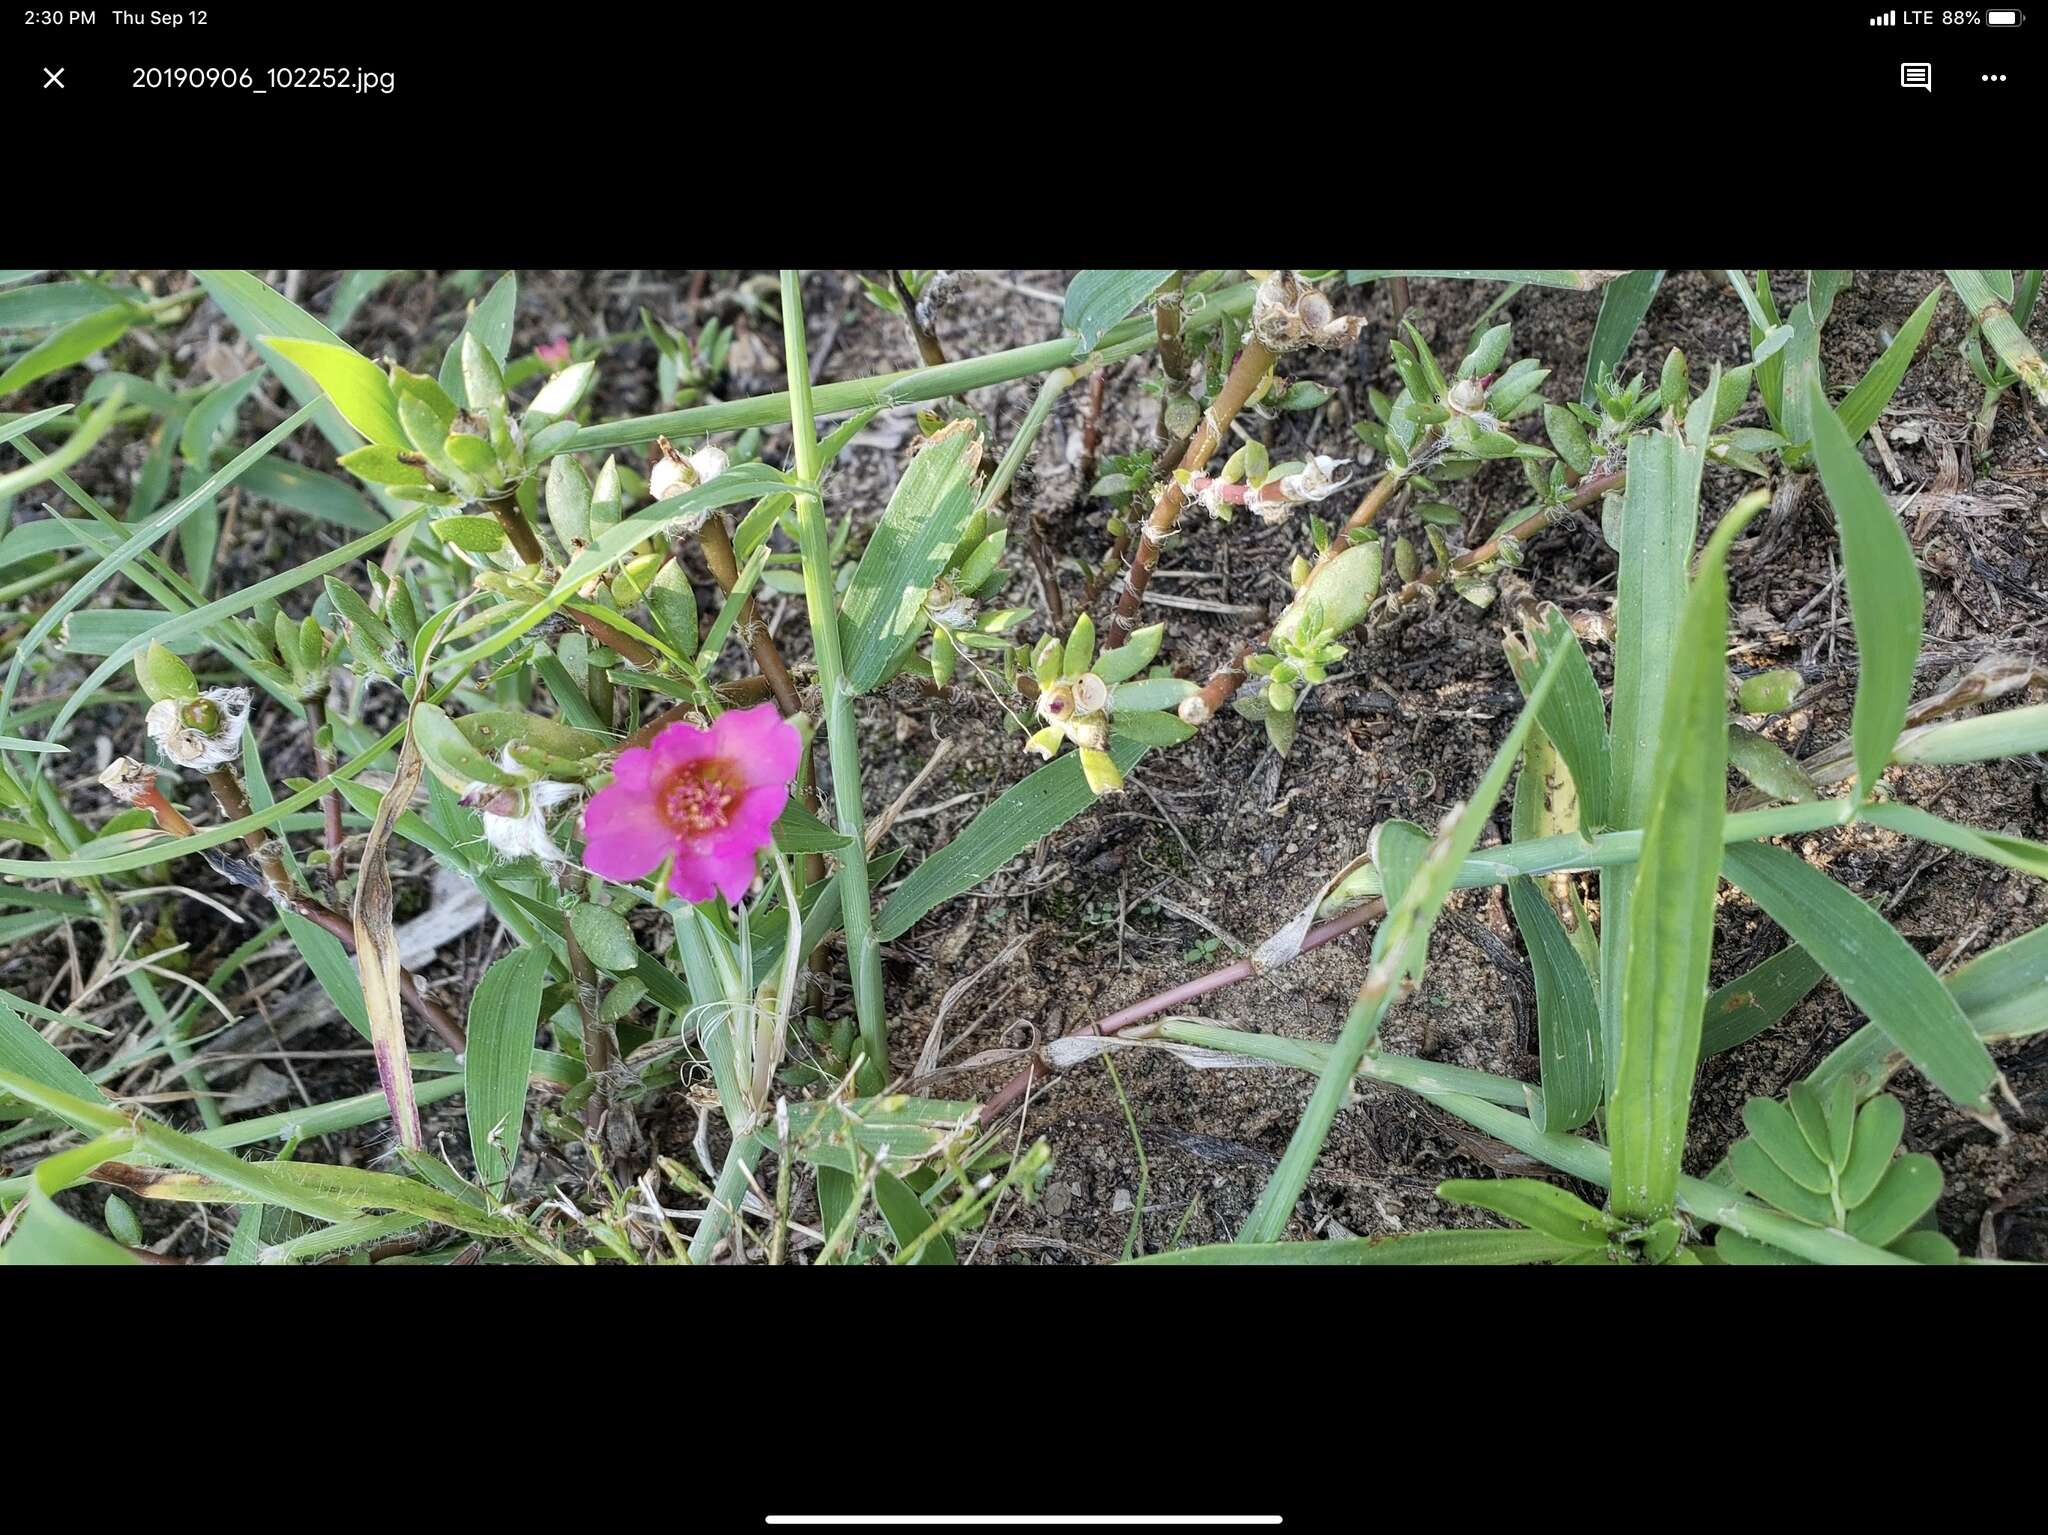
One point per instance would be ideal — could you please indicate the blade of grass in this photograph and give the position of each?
(1862, 405)
(1875, 967)
(1758, 998)
(1098, 299)
(2003, 992)
(504, 1017)
(1671, 935)
(884, 604)
(1885, 601)
(1659, 521)
(1623, 303)
(1983, 304)
(1025, 812)
(914, 386)
(148, 534)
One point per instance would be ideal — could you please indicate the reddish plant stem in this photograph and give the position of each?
(437, 1017)
(526, 543)
(323, 764)
(928, 347)
(716, 540)
(1091, 429)
(234, 804)
(1251, 367)
(1152, 1006)
(524, 540)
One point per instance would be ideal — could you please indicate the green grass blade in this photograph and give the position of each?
(1983, 738)
(73, 344)
(1575, 717)
(742, 482)
(1862, 405)
(1671, 935)
(1567, 1012)
(1875, 967)
(199, 620)
(81, 442)
(27, 1053)
(1885, 601)
(341, 1236)
(1027, 811)
(504, 1016)
(1758, 998)
(47, 1237)
(259, 310)
(308, 490)
(884, 605)
(1659, 521)
(1415, 1248)
(149, 533)
(1623, 303)
(2003, 992)
(913, 386)
(1398, 950)
(1098, 299)
(2014, 852)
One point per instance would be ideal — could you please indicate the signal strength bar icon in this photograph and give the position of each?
(1888, 19)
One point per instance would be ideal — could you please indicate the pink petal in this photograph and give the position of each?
(764, 745)
(634, 769)
(624, 835)
(752, 825)
(682, 742)
(729, 867)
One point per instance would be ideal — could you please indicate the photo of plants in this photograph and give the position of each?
(630, 767)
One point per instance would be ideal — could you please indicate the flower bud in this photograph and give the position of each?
(1343, 592)
(1091, 694)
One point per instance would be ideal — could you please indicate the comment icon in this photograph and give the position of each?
(1920, 75)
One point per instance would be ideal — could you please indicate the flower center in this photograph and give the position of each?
(699, 799)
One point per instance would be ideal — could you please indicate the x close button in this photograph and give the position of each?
(54, 77)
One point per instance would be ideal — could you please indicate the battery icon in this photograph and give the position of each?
(2004, 18)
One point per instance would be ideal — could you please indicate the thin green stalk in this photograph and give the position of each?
(1056, 383)
(863, 955)
(78, 564)
(1608, 850)
(1572, 1154)
(914, 386)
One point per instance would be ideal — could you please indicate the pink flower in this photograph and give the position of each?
(709, 797)
(555, 354)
